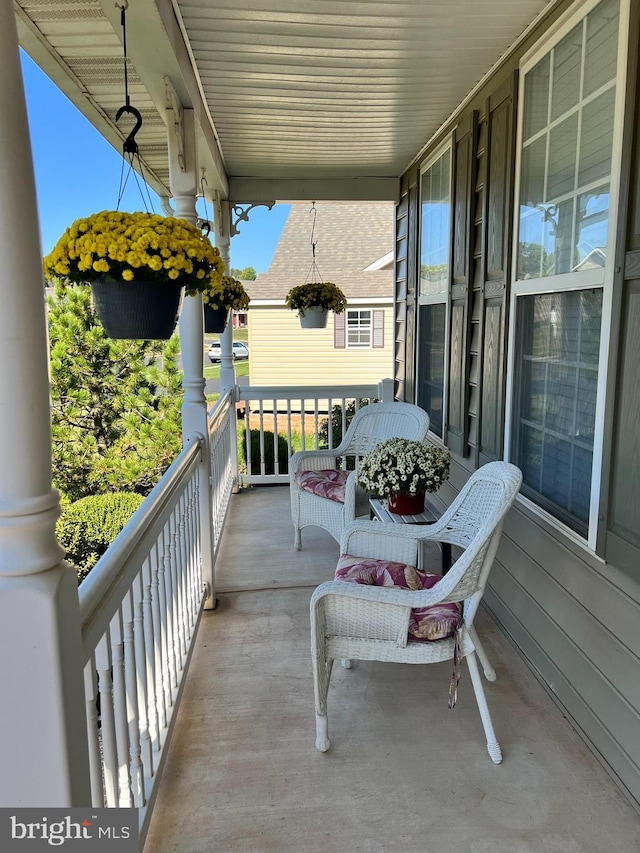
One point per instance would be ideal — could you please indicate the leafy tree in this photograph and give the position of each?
(534, 260)
(115, 403)
(247, 274)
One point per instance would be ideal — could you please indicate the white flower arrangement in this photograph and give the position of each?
(401, 466)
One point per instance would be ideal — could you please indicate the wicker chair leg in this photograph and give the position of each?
(489, 671)
(297, 539)
(493, 747)
(322, 733)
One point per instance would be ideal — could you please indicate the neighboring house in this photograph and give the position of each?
(354, 249)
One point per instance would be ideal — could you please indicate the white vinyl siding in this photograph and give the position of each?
(284, 354)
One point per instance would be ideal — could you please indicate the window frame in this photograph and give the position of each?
(359, 312)
(573, 281)
(436, 298)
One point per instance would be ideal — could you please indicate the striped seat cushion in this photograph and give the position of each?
(426, 624)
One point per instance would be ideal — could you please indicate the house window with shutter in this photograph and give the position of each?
(359, 328)
(567, 152)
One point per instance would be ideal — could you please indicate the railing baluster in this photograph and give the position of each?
(141, 672)
(289, 433)
(182, 562)
(164, 636)
(188, 559)
(177, 592)
(169, 595)
(156, 627)
(276, 444)
(131, 685)
(263, 469)
(147, 624)
(194, 535)
(107, 721)
(95, 760)
(121, 726)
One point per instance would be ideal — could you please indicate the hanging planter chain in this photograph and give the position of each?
(130, 150)
(313, 276)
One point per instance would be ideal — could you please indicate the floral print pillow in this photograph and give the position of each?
(426, 624)
(329, 483)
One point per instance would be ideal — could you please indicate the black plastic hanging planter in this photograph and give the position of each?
(138, 309)
(215, 319)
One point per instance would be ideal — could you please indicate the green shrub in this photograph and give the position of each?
(336, 426)
(88, 526)
(283, 452)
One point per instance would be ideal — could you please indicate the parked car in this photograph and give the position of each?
(240, 350)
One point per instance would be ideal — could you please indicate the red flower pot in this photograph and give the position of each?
(403, 504)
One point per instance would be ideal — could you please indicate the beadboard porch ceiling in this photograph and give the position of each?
(293, 98)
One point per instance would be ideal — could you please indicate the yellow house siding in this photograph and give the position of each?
(284, 354)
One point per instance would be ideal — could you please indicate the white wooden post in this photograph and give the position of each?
(385, 393)
(43, 733)
(183, 180)
(222, 226)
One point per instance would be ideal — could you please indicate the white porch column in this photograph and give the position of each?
(222, 225)
(43, 741)
(183, 181)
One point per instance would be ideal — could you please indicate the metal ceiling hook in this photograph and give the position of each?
(130, 145)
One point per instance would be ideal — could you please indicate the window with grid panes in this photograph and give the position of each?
(567, 140)
(359, 329)
(435, 235)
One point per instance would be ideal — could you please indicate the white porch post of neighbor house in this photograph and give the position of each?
(222, 226)
(183, 180)
(43, 735)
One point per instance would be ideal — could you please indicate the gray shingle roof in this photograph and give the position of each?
(348, 237)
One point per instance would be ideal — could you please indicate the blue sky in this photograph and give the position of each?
(78, 173)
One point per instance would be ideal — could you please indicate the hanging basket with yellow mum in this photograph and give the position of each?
(137, 265)
(220, 299)
(313, 300)
(228, 293)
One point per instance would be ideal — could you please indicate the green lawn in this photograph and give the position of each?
(212, 371)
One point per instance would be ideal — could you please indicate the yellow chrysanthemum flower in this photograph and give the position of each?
(124, 246)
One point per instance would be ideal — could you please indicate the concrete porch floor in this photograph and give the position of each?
(404, 773)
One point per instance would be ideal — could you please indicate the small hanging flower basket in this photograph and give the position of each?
(219, 300)
(313, 299)
(312, 302)
(138, 266)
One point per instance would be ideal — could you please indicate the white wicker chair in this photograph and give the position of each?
(349, 620)
(370, 425)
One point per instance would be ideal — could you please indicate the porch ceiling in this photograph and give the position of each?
(294, 98)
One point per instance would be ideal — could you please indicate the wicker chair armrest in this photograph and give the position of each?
(382, 594)
(311, 460)
(376, 533)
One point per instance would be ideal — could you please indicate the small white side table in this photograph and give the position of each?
(380, 512)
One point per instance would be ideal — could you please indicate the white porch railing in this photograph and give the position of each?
(140, 607)
(280, 420)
